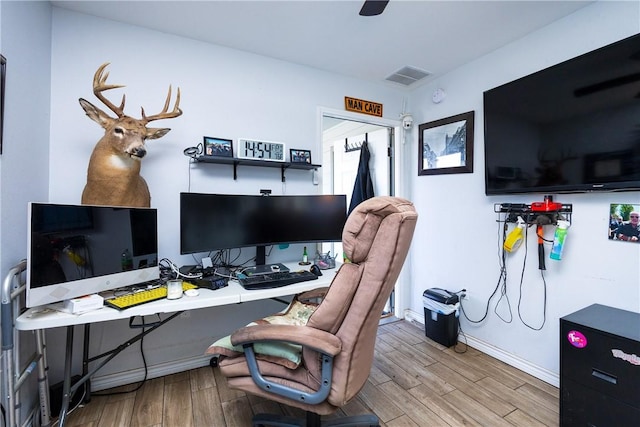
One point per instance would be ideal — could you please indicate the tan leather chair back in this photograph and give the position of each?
(376, 239)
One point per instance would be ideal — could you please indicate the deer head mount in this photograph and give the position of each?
(550, 171)
(113, 175)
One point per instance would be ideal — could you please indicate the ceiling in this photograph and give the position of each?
(433, 36)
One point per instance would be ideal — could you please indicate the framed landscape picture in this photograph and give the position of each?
(446, 145)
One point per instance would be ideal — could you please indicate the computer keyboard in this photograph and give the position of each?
(275, 280)
(142, 297)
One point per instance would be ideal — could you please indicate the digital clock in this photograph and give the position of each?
(260, 150)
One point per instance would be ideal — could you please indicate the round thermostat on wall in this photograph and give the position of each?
(438, 95)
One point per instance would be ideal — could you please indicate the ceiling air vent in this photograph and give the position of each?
(407, 75)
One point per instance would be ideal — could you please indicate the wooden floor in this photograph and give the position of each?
(414, 382)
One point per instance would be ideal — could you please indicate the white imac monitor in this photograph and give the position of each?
(77, 250)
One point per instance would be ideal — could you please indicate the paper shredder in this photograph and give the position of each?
(441, 316)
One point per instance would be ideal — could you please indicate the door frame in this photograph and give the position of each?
(398, 139)
(403, 285)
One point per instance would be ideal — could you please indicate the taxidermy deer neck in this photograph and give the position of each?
(113, 175)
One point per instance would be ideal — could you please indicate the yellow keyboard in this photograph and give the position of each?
(142, 297)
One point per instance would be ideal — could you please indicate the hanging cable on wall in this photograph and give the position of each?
(192, 153)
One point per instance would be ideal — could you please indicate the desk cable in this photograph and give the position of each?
(144, 363)
(167, 264)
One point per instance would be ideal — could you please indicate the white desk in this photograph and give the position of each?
(39, 318)
(233, 293)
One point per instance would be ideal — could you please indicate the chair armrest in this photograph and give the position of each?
(316, 339)
(313, 294)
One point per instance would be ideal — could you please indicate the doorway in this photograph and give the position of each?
(342, 139)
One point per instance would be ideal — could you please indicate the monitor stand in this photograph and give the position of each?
(265, 269)
(261, 255)
(261, 266)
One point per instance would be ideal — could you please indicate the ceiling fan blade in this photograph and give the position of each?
(373, 7)
(607, 84)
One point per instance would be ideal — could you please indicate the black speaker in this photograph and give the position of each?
(55, 396)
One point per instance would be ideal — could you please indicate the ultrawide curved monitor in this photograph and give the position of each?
(210, 222)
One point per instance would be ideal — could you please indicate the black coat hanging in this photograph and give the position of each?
(363, 187)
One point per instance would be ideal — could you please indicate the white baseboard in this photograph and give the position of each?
(121, 378)
(493, 351)
(160, 370)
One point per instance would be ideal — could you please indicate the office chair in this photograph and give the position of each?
(337, 341)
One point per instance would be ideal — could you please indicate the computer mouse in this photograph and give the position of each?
(192, 292)
(315, 270)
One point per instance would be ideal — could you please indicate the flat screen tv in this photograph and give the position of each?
(573, 127)
(76, 250)
(210, 222)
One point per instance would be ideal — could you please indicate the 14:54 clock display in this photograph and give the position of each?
(261, 150)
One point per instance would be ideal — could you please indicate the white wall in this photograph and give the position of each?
(225, 93)
(25, 41)
(458, 234)
(24, 164)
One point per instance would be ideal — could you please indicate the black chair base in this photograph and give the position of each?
(313, 420)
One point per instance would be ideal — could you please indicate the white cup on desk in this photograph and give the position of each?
(174, 289)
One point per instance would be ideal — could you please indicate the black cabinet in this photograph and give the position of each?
(600, 367)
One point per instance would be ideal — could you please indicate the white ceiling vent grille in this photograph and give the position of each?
(408, 75)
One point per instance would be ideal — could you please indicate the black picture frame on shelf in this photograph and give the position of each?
(218, 147)
(3, 73)
(446, 145)
(299, 156)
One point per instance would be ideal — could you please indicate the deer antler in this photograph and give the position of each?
(565, 155)
(164, 114)
(99, 86)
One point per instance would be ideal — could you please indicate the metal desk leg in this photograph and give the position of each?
(85, 362)
(66, 388)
